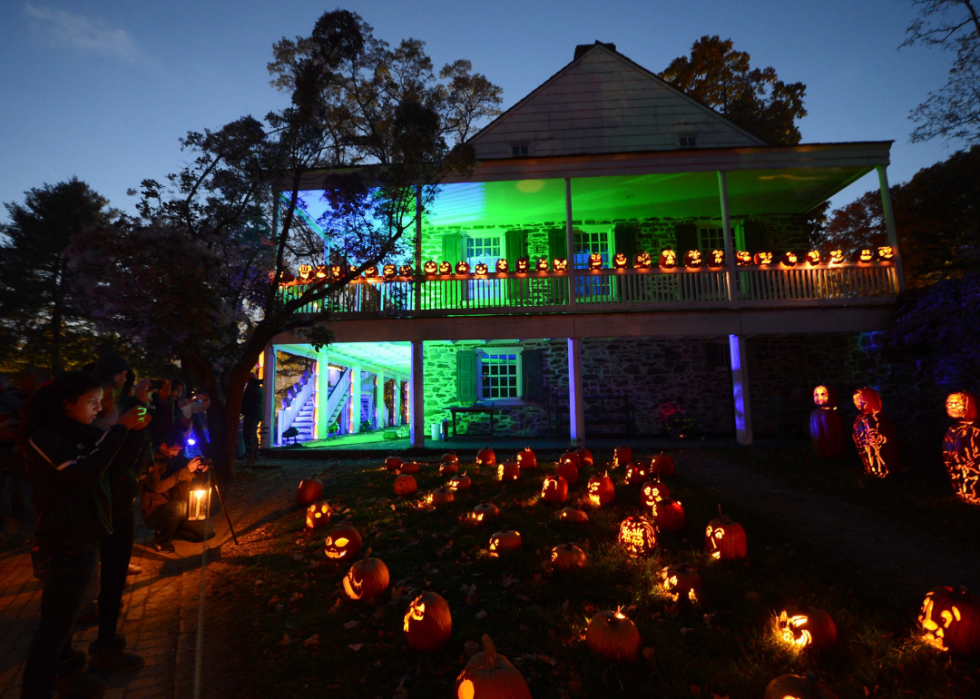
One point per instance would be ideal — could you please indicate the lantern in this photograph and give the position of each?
(486, 510)
(405, 485)
(490, 675)
(199, 503)
(542, 264)
(724, 539)
(321, 272)
(797, 687)
(669, 515)
(803, 628)
(508, 471)
(428, 624)
(486, 457)
(445, 269)
(662, 465)
(653, 492)
(961, 446)
(950, 620)
(762, 259)
(601, 490)
(595, 261)
(554, 489)
(573, 516)
(622, 456)
(560, 264)
(461, 482)
(526, 458)
(343, 543)
(613, 636)
(642, 261)
(506, 541)
(620, 261)
(885, 253)
(393, 463)
(585, 457)
(568, 558)
(716, 259)
(371, 272)
(317, 515)
(309, 491)
(693, 260)
(305, 273)
(462, 267)
(367, 578)
(837, 257)
(681, 583)
(523, 265)
(481, 269)
(788, 259)
(826, 426)
(450, 458)
(406, 271)
(636, 473)
(668, 259)
(448, 468)
(637, 536)
(813, 258)
(874, 435)
(442, 497)
(390, 272)
(430, 268)
(571, 457)
(502, 266)
(864, 256)
(743, 258)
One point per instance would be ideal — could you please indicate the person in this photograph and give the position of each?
(66, 465)
(253, 406)
(163, 501)
(12, 441)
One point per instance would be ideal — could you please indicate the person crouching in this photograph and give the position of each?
(163, 503)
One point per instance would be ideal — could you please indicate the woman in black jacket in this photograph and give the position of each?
(66, 464)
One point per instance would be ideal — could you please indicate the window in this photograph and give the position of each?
(587, 242)
(520, 149)
(487, 249)
(500, 374)
(711, 238)
(716, 355)
(688, 142)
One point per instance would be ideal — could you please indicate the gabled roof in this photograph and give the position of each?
(602, 102)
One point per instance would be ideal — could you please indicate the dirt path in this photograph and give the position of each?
(903, 562)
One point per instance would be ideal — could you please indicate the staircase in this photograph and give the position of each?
(304, 420)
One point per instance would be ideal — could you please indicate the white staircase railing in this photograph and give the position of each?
(337, 397)
(286, 416)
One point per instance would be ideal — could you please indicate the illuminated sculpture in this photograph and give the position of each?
(389, 271)
(950, 620)
(542, 264)
(309, 491)
(865, 256)
(490, 675)
(837, 257)
(502, 266)
(371, 272)
(573, 516)
(584, 457)
(813, 258)
(642, 261)
(601, 490)
(481, 269)
(613, 636)
(406, 271)
(506, 541)
(716, 259)
(321, 272)
(305, 273)
(724, 539)
(318, 515)
(637, 536)
(788, 259)
(405, 485)
(620, 261)
(367, 578)
(561, 264)
(568, 558)
(874, 435)
(336, 271)
(668, 259)
(462, 267)
(743, 258)
(885, 253)
(653, 492)
(693, 260)
(595, 261)
(961, 446)
(802, 628)
(523, 265)
(636, 473)
(508, 471)
(762, 259)
(681, 583)
(554, 489)
(480, 514)
(428, 624)
(343, 543)
(445, 269)
(431, 268)
(797, 687)
(826, 426)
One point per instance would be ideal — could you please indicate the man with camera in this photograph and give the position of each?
(163, 502)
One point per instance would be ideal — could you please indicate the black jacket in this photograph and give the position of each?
(253, 401)
(66, 466)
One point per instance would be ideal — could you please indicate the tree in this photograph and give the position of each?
(952, 111)
(754, 98)
(40, 325)
(197, 276)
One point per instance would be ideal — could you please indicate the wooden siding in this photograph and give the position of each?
(604, 103)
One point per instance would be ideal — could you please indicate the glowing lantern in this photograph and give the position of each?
(668, 259)
(336, 271)
(743, 258)
(462, 267)
(405, 485)
(585, 457)
(885, 253)
(797, 687)
(595, 261)
(554, 489)
(508, 471)
(662, 465)
(393, 463)
(560, 264)
(309, 491)
(865, 256)
(431, 268)
(622, 456)
(601, 490)
(802, 628)
(481, 269)
(461, 482)
(526, 458)
(874, 434)
(724, 539)
(443, 496)
(450, 458)
(813, 258)
(716, 259)
(428, 624)
(390, 272)
(642, 261)
(506, 541)
(321, 272)
(199, 504)
(367, 578)
(448, 468)
(305, 272)
(406, 271)
(669, 515)
(950, 620)
(788, 259)
(490, 675)
(445, 269)
(653, 492)
(636, 473)
(762, 259)
(693, 259)
(620, 261)
(837, 257)
(502, 266)
(371, 272)
(826, 426)
(637, 536)
(486, 457)
(317, 515)
(571, 457)
(573, 516)
(523, 265)
(613, 636)
(343, 543)
(568, 558)
(542, 264)
(485, 511)
(961, 446)
(681, 583)
(408, 468)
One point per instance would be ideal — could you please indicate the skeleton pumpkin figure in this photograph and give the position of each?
(950, 620)
(826, 426)
(668, 259)
(961, 446)
(874, 435)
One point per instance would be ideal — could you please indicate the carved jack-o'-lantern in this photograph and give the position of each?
(486, 457)
(488, 674)
(874, 435)
(821, 397)
(445, 269)
(637, 536)
(393, 463)
(389, 271)
(568, 470)
(798, 687)
(837, 257)
(285, 278)
(321, 272)
(584, 457)
(523, 265)
(305, 273)
(693, 259)
(813, 258)
(343, 543)
(826, 426)
(317, 515)
(506, 541)
(409, 467)
(724, 539)
(595, 261)
(662, 466)
(442, 497)
(668, 259)
(428, 623)
(613, 636)
(950, 620)
(560, 264)
(864, 256)
(460, 482)
(867, 400)
(620, 261)
(743, 258)
(801, 628)
(961, 446)
(371, 272)
(961, 406)
(480, 514)
(431, 268)
(336, 271)
(462, 267)
(681, 583)
(636, 473)
(885, 253)
(568, 558)
(653, 492)
(406, 271)
(508, 471)
(448, 468)
(502, 266)
(622, 455)
(526, 458)
(405, 485)
(601, 490)
(481, 269)
(554, 489)
(450, 458)
(716, 259)
(573, 516)
(309, 491)
(669, 515)
(788, 259)
(762, 259)
(367, 578)
(642, 260)
(542, 264)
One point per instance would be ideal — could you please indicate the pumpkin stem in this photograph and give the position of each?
(367, 554)
(719, 510)
(489, 653)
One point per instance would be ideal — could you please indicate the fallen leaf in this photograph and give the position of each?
(286, 640)
(273, 601)
(482, 614)
(355, 646)
(351, 624)
(335, 607)
(312, 640)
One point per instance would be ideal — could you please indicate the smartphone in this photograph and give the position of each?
(156, 384)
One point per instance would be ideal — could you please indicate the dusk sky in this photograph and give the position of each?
(103, 89)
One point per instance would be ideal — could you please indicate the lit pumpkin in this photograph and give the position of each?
(390, 272)
(506, 541)
(874, 435)
(950, 620)
(488, 675)
(406, 271)
(286, 277)
(371, 272)
(962, 406)
(602, 491)
(693, 259)
(837, 257)
(762, 259)
(885, 253)
(802, 628)
(560, 264)
(797, 687)
(367, 578)
(788, 259)
(585, 457)
(573, 516)
(343, 543)
(462, 267)
(636, 473)
(961, 446)
(620, 261)
(409, 468)
(716, 259)
(523, 265)
(572, 457)
(568, 471)
(502, 266)
(826, 425)
(450, 458)
(622, 456)
(317, 515)
(526, 458)
(509, 471)
(568, 558)
(613, 636)
(405, 485)
(428, 623)
(431, 268)
(864, 256)
(595, 261)
(447, 468)
(353, 270)
(336, 271)
(867, 400)
(306, 272)
(681, 583)
(393, 463)
(461, 482)
(637, 536)
(487, 510)
(743, 258)
(669, 516)
(443, 496)
(813, 258)
(668, 259)
(481, 269)
(642, 261)
(486, 457)
(445, 269)
(724, 539)
(554, 489)
(542, 264)
(653, 492)
(662, 466)
(309, 491)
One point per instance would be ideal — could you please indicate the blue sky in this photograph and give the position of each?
(104, 89)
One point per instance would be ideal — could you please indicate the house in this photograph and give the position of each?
(672, 247)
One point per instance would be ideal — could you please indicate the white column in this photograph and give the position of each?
(380, 411)
(576, 399)
(570, 243)
(322, 394)
(417, 287)
(740, 389)
(269, 396)
(886, 207)
(355, 393)
(416, 415)
(398, 401)
(729, 244)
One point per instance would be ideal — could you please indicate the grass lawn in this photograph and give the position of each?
(294, 632)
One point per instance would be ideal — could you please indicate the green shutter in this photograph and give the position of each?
(557, 243)
(515, 246)
(466, 377)
(452, 248)
(686, 238)
(533, 375)
(755, 236)
(625, 240)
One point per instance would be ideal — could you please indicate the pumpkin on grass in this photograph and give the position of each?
(613, 636)
(309, 491)
(448, 468)
(568, 470)
(428, 623)
(950, 620)
(554, 489)
(681, 583)
(393, 463)
(573, 516)
(367, 578)
(637, 536)
(669, 516)
(797, 687)
(450, 458)
(585, 457)
(508, 471)
(483, 512)
(343, 543)
(602, 491)
(405, 485)
(460, 482)
(443, 496)
(409, 467)
(490, 676)
(653, 492)
(636, 473)
(802, 628)
(724, 539)
(568, 558)
(317, 515)
(526, 458)
(622, 456)
(662, 466)
(506, 541)
(486, 457)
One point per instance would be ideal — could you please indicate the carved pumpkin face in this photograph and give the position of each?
(343, 543)
(405, 485)
(637, 536)
(642, 261)
(321, 272)
(482, 269)
(693, 259)
(961, 406)
(867, 401)
(804, 628)
(460, 482)
(762, 259)
(743, 258)
(622, 455)
(336, 271)
(406, 271)
(317, 515)
(724, 540)
(788, 259)
(554, 489)
(568, 558)
(950, 620)
(428, 623)
(813, 258)
(837, 257)
(445, 269)
(542, 264)
(636, 473)
(716, 259)
(885, 253)
(448, 468)
(523, 265)
(508, 471)
(613, 636)
(865, 256)
(390, 271)
(371, 272)
(506, 541)
(367, 578)
(824, 397)
(487, 510)
(502, 266)
(601, 490)
(486, 457)
(681, 583)
(560, 264)
(573, 516)
(305, 272)
(620, 261)
(430, 268)
(653, 492)
(462, 267)
(668, 259)
(595, 261)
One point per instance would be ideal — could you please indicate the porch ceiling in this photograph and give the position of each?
(394, 356)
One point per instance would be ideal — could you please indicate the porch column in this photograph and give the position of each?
(380, 411)
(729, 244)
(269, 396)
(576, 402)
(397, 402)
(322, 394)
(418, 250)
(570, 244)
(355, 397)
(886, 207)
(416, 406)
(740, 388)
